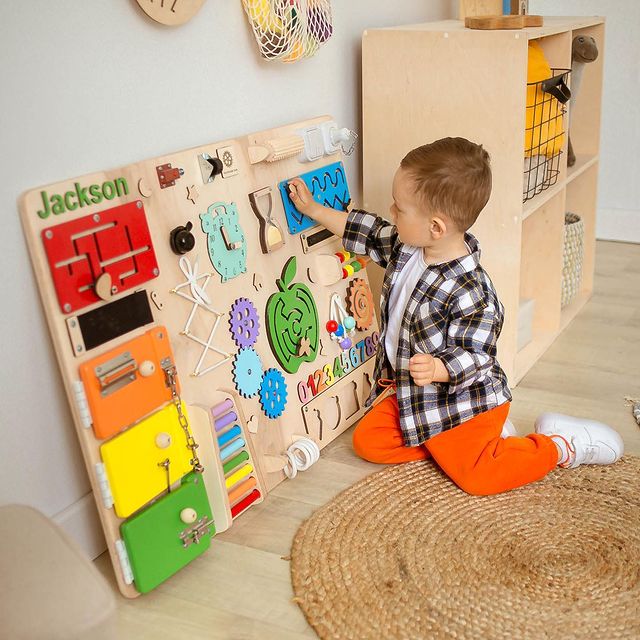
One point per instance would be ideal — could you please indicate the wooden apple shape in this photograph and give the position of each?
(292, 316)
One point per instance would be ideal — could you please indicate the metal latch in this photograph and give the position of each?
(116, 373)
(193, 534)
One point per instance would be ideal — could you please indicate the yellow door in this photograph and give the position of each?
(143, 460)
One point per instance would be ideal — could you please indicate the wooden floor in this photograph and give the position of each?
(241, 589)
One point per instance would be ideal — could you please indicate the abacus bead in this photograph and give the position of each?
(356, 266)
(339, 331)
(349, 269)
(332, 325)
(345, 344)
(349, 323)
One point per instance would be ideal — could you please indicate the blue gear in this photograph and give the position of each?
(273, 393)
(247, 372)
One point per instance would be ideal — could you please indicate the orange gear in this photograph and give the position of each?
(360, 303)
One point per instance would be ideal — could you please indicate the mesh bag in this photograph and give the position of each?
(288, 30)
(572, 257)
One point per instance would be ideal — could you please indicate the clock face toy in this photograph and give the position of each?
(226, 241)
(171, 12)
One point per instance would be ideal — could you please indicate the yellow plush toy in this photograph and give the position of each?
(543, 133)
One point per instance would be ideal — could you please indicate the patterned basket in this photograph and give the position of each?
(572, 256)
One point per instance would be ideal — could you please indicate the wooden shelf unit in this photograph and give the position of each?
(427, 81)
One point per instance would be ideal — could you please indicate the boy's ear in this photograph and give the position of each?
(437, 227)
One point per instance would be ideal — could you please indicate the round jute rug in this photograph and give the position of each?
(406, 554)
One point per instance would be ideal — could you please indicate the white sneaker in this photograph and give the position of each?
(583, 441)
(508, 429)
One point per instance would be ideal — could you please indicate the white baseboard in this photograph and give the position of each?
(81, 522)
(622, 225)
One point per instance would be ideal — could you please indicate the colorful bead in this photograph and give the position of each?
(356, 266)
(332, 325)
(349, 323)
(349, 269)
(345, 343)
(339, 331)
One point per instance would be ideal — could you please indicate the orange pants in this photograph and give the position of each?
(472, 454)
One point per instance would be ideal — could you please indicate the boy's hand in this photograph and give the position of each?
(422, 368)
(301, 197)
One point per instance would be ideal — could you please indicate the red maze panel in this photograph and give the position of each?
(116, 241)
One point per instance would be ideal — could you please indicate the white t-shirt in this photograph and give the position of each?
(401, 290)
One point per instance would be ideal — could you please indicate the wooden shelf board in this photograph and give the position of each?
(531, 206)
(529, 354)
(569, 312)
(552, 25)
(583, 162)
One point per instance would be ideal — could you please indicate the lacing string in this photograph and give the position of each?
(388, 387)
(191, 273)
(570, 450)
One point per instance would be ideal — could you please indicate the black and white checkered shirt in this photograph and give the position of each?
(453, 314)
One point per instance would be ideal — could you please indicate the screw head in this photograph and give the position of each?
(139, 204)
(66, 307)
(96, 218)
(156, 271)
(48, 234)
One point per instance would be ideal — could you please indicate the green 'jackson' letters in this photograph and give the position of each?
(82, 197)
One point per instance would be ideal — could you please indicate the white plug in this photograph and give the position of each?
(333, 137)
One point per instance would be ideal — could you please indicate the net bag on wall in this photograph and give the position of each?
(288, 30)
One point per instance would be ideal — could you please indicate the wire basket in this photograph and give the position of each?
(288, 30)
(572, 257)
(544, 132)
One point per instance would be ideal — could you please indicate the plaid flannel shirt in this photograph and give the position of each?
(453, 314)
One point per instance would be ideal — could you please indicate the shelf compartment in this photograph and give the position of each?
(583, 162)
(541, 266)
(585, 104)
(581, 198)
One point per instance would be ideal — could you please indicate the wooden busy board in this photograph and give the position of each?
(188, 303)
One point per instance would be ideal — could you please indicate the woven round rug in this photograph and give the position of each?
(406, 554)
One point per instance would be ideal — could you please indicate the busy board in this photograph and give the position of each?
(209, 336)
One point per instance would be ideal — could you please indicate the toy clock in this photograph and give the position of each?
(171, 12)
(225, 239)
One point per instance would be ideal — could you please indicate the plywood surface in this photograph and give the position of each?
(246, 272)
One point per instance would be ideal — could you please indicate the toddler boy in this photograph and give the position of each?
(439, 326)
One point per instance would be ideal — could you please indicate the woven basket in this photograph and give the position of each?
(572, 257)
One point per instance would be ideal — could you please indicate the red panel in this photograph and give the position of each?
(81, 250)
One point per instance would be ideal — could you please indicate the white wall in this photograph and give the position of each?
(86, 86)
(619, 187)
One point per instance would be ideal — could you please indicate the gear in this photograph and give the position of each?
(273, 393)
(227, 158)
(360, 303)
(247, 372)
(244, 322)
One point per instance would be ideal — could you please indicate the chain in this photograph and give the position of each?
(170, 374)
